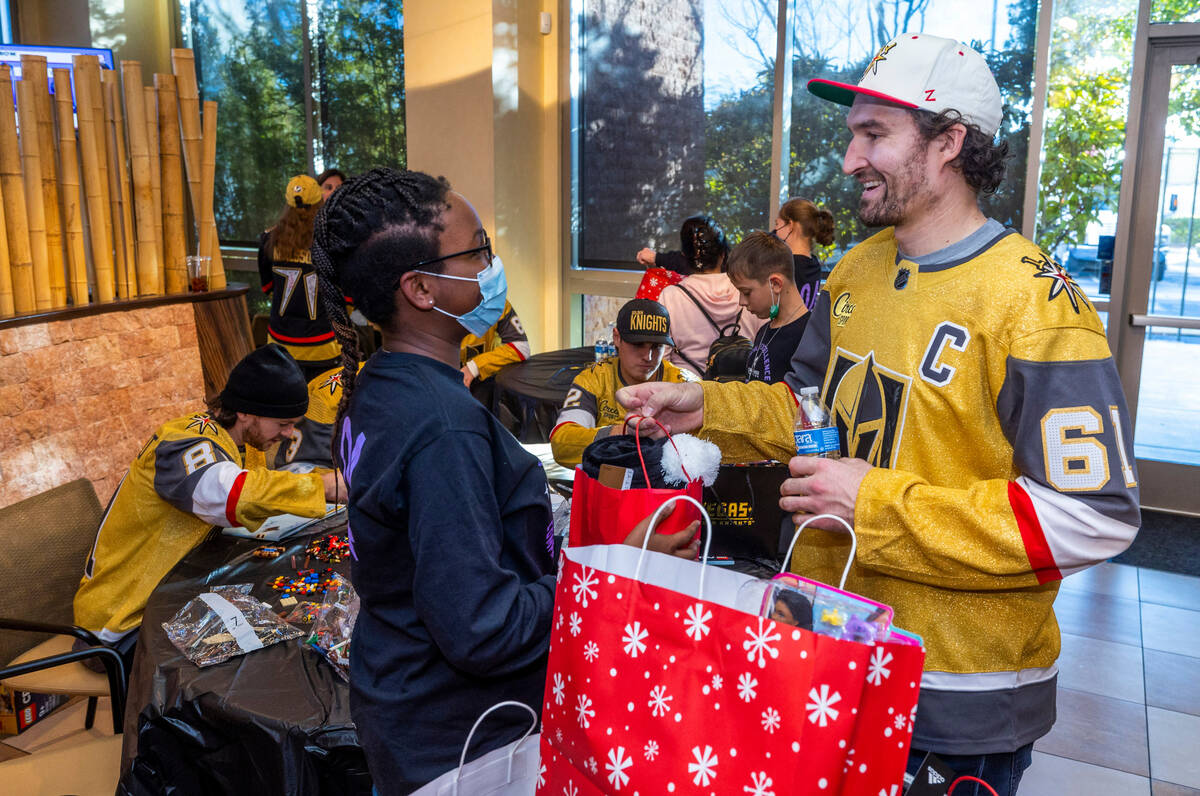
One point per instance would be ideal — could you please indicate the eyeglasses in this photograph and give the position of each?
(486, 247)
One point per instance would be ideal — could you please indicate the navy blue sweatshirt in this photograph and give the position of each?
(450, 521)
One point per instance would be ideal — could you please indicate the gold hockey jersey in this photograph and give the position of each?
(187, 478)
(502, 344)
(981, 387)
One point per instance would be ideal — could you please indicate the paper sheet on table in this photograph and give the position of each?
(282, 526)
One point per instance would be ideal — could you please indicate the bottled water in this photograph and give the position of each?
(600, 349)
(814, 430)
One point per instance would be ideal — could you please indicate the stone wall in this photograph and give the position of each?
(642, 125)
(79, 397)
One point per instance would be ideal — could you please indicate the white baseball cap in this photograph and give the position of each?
(931, 73)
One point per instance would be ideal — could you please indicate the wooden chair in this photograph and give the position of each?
(44, 542)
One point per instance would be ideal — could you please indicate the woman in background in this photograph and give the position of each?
(801, 222)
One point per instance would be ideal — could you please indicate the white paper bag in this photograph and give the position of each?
(511, 770)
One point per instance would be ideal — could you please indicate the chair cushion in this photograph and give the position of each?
(71, 678)
(93, 766)
(44, 544)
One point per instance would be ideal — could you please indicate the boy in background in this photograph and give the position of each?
(761, 269)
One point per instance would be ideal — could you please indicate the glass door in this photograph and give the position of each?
(1158, 344)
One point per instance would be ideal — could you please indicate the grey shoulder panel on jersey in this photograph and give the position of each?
(1032, 391)
(179, 465)
(812, 355)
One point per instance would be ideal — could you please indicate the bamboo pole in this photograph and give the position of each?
(113, 139)
(16, 214)
(151, 116)
(94, 179)
(210, 246)
(72, 222)
(174, 236)
(33, 69)
(112, 233)
(31, 170)
(6, 287)
(146, 250)
(183, 64)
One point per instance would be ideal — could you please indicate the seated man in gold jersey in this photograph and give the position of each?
(590, 410)
(189, 476)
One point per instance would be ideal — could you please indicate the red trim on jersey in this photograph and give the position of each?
(235, 492)
(321, 338)
(795, 400)
(347, 299)
(1040, 557)
(267, 287)
(513, 346)
(560, 425)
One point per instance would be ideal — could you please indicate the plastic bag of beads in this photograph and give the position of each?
(334, 627)
(305, 613)
(225, 622)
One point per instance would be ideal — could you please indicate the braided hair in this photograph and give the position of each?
(364, 238)
(703, 243)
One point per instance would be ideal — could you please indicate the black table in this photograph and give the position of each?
(274, 721)
(529, 394)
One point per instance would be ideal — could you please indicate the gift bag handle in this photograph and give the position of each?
(637, 437)
(796, 537)
(637, 573)
(462, 760)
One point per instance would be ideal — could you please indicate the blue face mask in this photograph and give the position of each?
(494, 288)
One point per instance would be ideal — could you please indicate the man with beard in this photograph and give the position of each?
(189, 476)
(986, 442)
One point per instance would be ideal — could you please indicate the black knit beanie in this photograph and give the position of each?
(268, 383)
(621, 450)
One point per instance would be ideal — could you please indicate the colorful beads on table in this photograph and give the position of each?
(331, 548)
(306, 581)
(268, 551)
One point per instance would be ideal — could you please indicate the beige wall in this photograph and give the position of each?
(481, 87)
(144, 28)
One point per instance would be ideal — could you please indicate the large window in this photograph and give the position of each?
(302, 85)
(673, 107)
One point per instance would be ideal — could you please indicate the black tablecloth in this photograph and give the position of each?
(275, 721)
(529, 394)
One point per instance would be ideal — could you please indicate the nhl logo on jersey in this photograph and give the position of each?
(868, 405)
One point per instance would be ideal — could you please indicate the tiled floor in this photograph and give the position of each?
(1128, 688)
(1128, 696)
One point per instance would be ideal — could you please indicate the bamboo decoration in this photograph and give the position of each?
(72, 221)
(174, 236)
(114, 141)
(16, 215)
(91, 144)
(33, 69)
(209, 245)
(31, 168)
(6, 290)
(103, 158)
(183, 64)
(145, 249)
(151, 117)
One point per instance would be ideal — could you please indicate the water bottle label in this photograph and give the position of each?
(816, 441)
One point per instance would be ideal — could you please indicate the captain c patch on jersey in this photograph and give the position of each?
(868, 404)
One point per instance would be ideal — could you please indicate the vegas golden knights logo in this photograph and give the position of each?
(868, 405)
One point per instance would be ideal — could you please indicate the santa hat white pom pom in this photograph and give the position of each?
(699, 457)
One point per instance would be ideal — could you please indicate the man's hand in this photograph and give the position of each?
(646, 257)
(679, 407)
(685, 544)
(468, 376)
(822, 486)
(335, 486)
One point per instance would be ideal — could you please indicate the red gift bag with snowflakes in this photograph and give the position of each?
(660, 682)
(654, 281)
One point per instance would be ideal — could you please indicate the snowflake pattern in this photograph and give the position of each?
(650, 750)
(658, 701)
(542, 776)
(632, 639)
(885, 792)
(576, 624)
(592, 766)
(900, 721)
(591, 651)
(877, 670)
(583, 586)
(560, 688)
(583, 708)
(760, 785)
(759, 644)
(717, 682)
(616, 765)
(771, 720)
(820, 709)
(570, 789)
(746, 686)
(697, 621)
(705, 766)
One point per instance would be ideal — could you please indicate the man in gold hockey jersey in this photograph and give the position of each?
(189, 477)
(504, 343)
(590, 411)
(988, 450)
(309, 447)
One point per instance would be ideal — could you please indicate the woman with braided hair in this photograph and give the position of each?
(451, 530)
(705, 301)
